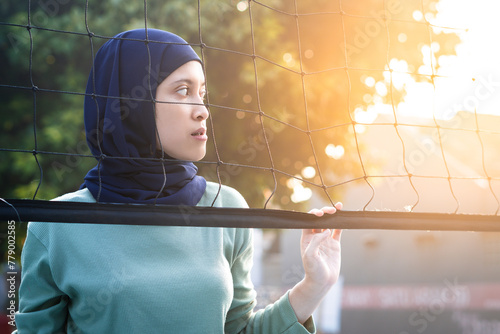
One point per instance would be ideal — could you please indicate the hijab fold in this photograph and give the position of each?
(120, 125)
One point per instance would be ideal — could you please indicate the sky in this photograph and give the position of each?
(475, 69)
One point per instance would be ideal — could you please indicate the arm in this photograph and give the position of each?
(277, 318)
(320, 252)
(292, 312)
(42, 306)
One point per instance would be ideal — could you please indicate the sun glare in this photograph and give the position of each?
(242, 6)
(475, 65)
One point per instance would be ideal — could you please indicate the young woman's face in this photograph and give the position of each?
(181, 121)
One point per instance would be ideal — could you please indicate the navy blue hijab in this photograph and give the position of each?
(119, 129)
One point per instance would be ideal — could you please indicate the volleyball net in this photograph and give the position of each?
(388, 106)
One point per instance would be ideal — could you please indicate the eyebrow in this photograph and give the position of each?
(188, 81)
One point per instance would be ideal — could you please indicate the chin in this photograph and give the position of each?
(192, 157)
(199, 157)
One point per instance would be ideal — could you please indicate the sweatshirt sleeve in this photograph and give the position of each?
(42, 306)
(277, 318)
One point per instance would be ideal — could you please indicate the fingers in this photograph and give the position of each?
(317, 212)
(327, 209)
(336, 234)
(316, 240)
(320, 212)
(311, 231)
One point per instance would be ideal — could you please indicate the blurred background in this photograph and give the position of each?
(383, 105)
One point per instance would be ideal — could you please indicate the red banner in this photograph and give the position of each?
(449, 295)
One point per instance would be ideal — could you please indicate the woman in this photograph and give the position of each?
(80, 278)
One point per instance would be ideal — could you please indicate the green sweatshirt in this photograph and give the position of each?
(85, 278)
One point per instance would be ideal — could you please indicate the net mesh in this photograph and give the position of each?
(311, 102)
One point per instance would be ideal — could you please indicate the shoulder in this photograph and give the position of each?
(42, 230)
(222, 196)
(82, 195)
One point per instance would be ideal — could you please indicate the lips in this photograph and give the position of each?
(199, 132)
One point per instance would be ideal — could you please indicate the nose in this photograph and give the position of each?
(200, 112)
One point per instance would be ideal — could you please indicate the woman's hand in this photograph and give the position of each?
(320, 251)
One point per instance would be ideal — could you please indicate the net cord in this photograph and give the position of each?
(165, 215)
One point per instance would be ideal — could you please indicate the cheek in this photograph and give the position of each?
(165, 132)
(170, 133)
(162, 125)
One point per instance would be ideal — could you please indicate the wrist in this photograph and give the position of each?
(305, 297)
(317, 287)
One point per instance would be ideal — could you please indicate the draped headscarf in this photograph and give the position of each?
(120, 122)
